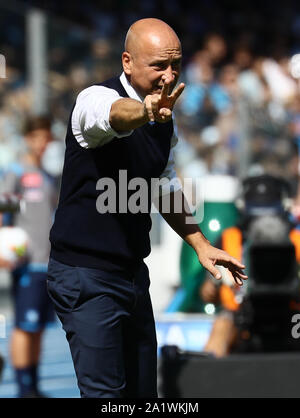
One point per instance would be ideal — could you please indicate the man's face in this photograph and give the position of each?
(152, 63)
(37, 141)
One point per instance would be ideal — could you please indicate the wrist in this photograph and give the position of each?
(202, 245)
(198, 242)
(145, 114)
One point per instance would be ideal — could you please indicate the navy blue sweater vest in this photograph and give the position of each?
(80, 235)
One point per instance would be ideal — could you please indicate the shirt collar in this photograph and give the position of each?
(129, 89)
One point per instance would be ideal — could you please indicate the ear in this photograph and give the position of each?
(127, 63)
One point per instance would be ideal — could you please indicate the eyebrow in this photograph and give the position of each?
(163, 61)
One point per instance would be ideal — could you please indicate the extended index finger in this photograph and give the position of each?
(165, 89)
(177, 92)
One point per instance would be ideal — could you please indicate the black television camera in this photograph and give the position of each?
(272, 293)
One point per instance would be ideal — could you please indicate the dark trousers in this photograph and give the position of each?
(108, 320)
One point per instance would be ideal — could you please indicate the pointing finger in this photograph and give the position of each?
(165, 89)
(177, 92)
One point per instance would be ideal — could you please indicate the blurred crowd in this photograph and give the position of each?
(240, 111)
(239, 115)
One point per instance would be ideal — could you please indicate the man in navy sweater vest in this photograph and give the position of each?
(120, 133)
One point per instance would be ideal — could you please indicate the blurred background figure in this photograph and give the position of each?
(32, 307)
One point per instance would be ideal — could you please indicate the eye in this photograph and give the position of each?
(176, 64)
(159, 65)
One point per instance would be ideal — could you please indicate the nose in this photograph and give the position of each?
(169, 73)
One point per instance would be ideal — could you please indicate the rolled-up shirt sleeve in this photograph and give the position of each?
(90, 117)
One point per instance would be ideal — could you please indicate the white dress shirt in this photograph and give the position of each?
(91, 127)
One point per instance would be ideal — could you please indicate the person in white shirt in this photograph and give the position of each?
(97, 278)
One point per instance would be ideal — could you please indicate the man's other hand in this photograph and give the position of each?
(210, 256)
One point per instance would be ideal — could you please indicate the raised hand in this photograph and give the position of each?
(159, 106)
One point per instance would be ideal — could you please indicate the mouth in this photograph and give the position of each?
(158, 89)
(171, 87)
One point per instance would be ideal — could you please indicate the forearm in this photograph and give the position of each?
(127, 114)
(189, 232)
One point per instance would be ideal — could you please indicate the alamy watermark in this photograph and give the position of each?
(296, 328)
(134, 196)
(2, 66)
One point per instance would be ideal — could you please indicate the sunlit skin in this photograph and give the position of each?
(152, 55)
(152, 64)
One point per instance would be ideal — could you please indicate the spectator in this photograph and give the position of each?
(33, 308)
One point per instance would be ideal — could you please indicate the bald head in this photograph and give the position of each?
(147, 32)
(152, 55)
